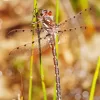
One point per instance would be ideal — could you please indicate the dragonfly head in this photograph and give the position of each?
(45, 12)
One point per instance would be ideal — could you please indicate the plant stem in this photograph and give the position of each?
(30, 78)
(40, 59)
(31, 60)
(96, 74)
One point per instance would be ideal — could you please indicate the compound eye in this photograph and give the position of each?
(50, 13)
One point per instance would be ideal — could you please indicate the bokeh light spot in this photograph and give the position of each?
(85, 94)
(9, 72)
(77, 97)
(0, 73)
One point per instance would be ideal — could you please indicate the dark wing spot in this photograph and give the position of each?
(23, 30)
(65, 20)
(15, 30)
(32, 42)
(59, 31)
(17, 47)
(85, 27)
(24, 44)
(90, 8)
(74, 16)
(80, 26)
(80, 13)
(64, 30)
(70, 29)
(85, 9)
(75, 28)
(40, 38)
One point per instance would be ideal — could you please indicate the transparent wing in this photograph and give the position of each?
(80, 18)
(26, 48)
(26, 42)
(23, 34)
(72, 38)
(72, 32)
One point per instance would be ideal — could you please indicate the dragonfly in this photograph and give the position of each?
(48, 31)
(61, 30)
